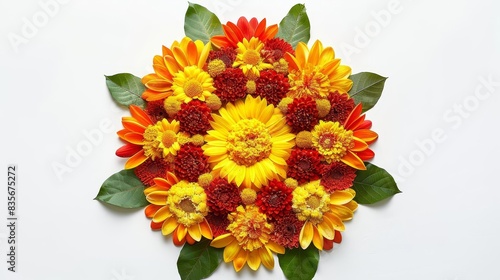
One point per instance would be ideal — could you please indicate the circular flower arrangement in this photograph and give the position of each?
(246, 143)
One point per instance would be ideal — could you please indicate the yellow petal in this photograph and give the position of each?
(343, 212)
(231, 251)
(306, 235)
(341, 197)
(275, 247)
(195, 232)
(222, 240)
(181, 232)
(162, 214)
(158, 198)
(206, 231)
(267, 257)
(240, 260)
(335, 221)
(325, 228)
(254, 259)
(317, 239)
(169, 226)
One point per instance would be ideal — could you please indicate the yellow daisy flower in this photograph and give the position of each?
(248, 58)
(250, 142)
(322, 213)
(248, 240)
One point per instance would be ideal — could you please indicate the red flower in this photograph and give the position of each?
(287, 230)
(194, 117)
(218, 223)
(274, 199)
(341, 107)
(226, 54)
(304, 165)
(151, 169)
(275, 49)
(230, 85)
(271, 86)
(190, 163)
(234, 33)
(302, 114)
(156, 110)
(222, 197)
(337, 176)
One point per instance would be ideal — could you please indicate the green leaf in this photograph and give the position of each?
(201, 24)
(367, 88)
(198, 261)
(126, 89)
(295, 26)
(373, 185)
(123, 189)
(298, 264)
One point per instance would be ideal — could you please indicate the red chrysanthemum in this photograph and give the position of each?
(274, 199)
(337, 176)
(218, 223)
(226, 54)
(190, 163)
(194, 117)
(341, 107)
(156, 111)
(222, 197)
(328, 244)
(287, 230)
(230, 85)
(302, 114)
(272, 86)
(151, 169)
(275, 49)
(304, 165)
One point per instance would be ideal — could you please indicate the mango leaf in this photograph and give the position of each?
(373, 185)
(367, 88)
(298, 264)
(295, 26)
(198, 261)
(126, 89)
(123, 189)
(201, 24)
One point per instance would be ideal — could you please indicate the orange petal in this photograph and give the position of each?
(353, 161)
(128, 150)
(157, 197)
(177, 241)
(134, 138)
(151, 209)
(338, 237)
(353, 116)
(359, 145)
(327, 244)
(140, 115)
(206, 231)
(156, 226)
(366, 135)
(136, 160)
(181, 232)
(306, 235)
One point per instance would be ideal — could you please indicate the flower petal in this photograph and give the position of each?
(306, 235)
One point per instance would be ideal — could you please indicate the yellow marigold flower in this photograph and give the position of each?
(181, 208)
(249, 59)
(170, 66)
(192, 83)
(316, 72)
(248, 240)
(250, 142)
(322, 213)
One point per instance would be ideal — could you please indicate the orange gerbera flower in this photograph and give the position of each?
(178, 207)
(169, 71)
(146, 139)
(244, 29)
(316, 72)
(348, 142)
(321, 212)
(248, 240)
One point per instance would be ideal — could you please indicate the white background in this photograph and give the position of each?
(445, 224)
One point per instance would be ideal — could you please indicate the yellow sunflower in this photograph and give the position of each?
(180, 207)
(248, 58)
(316, 72)
(322, 212)
(248, 240)
(178, 71)
(250, 142)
